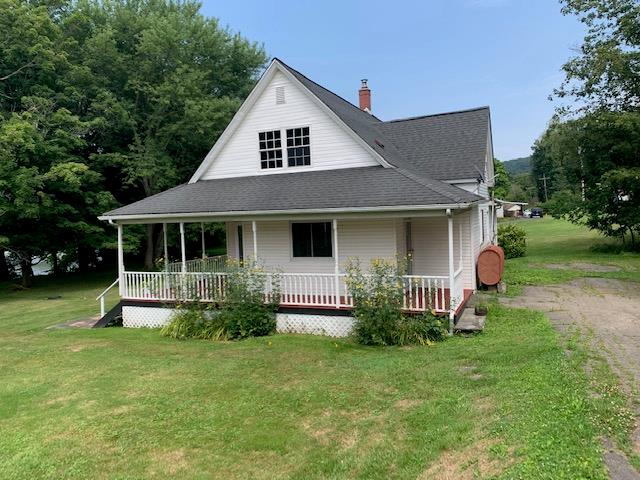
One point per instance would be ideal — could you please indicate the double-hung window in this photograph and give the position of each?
(298, 148)
(270, 149)
(311, 239)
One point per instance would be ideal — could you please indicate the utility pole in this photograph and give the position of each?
(544, 181)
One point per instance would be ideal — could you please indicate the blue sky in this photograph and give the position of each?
(423, 57)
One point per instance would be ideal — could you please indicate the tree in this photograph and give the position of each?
(606, 72)
(104, 103)
(50, 198)
(502, 187)
(592, 164)
(159, 82)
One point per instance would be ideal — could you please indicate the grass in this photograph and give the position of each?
(558, 242)
(122, 403)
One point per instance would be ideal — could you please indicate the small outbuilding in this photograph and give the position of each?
(506, 208)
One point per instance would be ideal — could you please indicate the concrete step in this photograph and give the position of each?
(470, 322)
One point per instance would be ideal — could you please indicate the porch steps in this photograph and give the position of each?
(112, 317)
(469, 321)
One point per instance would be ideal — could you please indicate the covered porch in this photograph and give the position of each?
(438, 245)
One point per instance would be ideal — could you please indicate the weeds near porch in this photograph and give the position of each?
(193, 322)
(247, 310)
(378, 299)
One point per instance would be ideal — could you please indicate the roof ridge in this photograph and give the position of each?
(453, 112)
(325, 88)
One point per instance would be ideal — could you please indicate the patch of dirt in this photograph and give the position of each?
(587, 267)
(169, 462)
(610, 311)
(407, 403)
(475, 461)
(78, 347)
(121, 410)
(61, 400)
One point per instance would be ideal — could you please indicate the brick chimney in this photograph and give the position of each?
(364, 95)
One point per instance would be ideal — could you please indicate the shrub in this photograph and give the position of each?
(192, 321)
(421, 329)
(513, 240)
(243, 312)
(378, 299)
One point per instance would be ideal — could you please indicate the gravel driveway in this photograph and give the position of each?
(610, 310)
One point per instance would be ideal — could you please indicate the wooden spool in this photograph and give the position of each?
(490, 265)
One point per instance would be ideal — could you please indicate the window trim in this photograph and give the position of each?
(284, 141)
(283, 147)
(282, 150)
(313, 259)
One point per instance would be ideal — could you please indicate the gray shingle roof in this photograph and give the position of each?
(447, 146)
(423, 151)
(344, 188)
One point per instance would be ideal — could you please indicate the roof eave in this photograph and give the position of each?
(175, 217)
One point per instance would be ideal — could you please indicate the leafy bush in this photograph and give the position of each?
(378, 298)
(513, 240)
(192, 321)
(243, 312)
(421, 329)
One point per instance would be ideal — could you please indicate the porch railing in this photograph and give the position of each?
(320, 290)
(197, 265)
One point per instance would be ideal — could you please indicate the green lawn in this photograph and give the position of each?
(123, 403)
(551, 241)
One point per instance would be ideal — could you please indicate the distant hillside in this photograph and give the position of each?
(518, 165)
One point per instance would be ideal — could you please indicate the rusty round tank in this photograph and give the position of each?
(490, 265)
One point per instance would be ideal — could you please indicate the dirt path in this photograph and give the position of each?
(610, 310)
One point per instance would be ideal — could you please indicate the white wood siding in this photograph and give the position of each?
(331, 146)
(474, 187)
(363, 239)
(463, 221)
(430, 246)
(368, 239)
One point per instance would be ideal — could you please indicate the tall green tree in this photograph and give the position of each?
(606, 72)
(104, 103)
(159, 82)
(590, 159)
(502, 181)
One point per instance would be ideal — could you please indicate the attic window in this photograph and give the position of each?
(298, 148)
(270, 149)
(279, 95)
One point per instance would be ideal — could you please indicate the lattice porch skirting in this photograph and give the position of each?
(314, 324)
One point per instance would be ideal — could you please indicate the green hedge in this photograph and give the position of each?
(513, 240)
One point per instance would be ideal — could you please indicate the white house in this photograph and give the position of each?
(304, 180)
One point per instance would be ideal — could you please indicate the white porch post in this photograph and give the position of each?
(336, 262)
(254, 229)
(204, 251)
(120, 261)
(182, 248)
(166, 247)
(451, 270)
